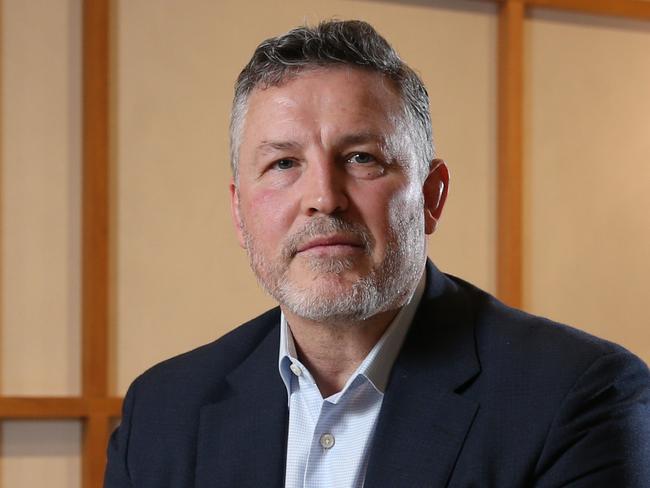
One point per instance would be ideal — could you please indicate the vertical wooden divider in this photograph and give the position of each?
(510, 153)
(95, 234)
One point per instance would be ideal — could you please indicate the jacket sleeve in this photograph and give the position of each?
(600, 436)
(117, 471)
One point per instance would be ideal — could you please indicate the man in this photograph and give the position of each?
(377, 370)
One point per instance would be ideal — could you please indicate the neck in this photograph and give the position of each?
(333, 351)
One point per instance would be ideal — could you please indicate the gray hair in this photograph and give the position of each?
(334, 43)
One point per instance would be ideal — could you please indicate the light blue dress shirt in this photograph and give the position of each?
(329, 438)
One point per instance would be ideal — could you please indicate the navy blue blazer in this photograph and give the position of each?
(481, 395)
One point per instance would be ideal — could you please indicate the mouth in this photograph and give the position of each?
(335, 245)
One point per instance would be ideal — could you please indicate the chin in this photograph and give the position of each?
(334, 298)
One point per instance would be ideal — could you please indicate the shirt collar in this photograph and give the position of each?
(379, 361)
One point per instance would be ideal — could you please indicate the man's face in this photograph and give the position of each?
(329, 204)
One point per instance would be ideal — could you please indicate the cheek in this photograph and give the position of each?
(402, 210)
(267, 212)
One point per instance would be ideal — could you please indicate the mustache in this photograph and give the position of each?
(326, 226)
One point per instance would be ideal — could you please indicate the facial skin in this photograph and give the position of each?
(328, 203)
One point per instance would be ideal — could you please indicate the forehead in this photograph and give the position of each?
(324, 102)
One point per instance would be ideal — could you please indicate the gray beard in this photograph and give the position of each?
(387, 287)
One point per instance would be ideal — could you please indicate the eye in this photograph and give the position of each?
(361, 158)
(284, 164)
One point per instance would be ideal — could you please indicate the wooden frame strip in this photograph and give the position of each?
(95, 204)
(58, 407)
(510, 153)
(95, 234)
(95, 434)
(633, 9)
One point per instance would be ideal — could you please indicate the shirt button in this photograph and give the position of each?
(327, 441)
(295, 369)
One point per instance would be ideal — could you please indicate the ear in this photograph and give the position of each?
(435, 194)
(234, 211)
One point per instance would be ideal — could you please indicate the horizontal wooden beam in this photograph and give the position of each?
(633, 9)
(50, 408)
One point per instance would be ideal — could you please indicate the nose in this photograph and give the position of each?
(324, 189)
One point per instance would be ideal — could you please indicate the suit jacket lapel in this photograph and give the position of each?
(424, 420)
(242, 437)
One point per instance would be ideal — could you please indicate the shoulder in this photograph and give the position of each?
(508, 335)
(199, 372)
(562, 404)
(527, 361)
(159, 426)
(543, 367)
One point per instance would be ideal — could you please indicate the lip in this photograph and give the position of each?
(330, 243)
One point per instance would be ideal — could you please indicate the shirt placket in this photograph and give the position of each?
(323, 447)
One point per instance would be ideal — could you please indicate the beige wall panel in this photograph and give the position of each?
(588, 177)
(40, 197)
(181, 278)
(41, 454)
